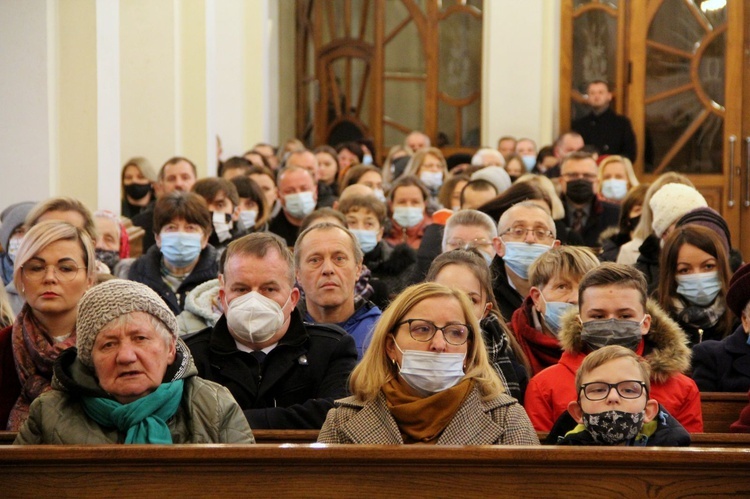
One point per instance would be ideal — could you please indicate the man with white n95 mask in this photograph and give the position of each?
(283, 372)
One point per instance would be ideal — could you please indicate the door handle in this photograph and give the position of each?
(732, 140)
(747, 172)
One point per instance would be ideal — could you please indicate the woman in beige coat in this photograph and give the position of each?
(426, 378)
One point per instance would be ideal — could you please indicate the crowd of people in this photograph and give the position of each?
(469, 300)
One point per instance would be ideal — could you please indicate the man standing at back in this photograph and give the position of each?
(283, 373)
(602, 128)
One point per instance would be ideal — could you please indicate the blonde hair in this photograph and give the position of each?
(609, 353)
(45, 233)
(376, 368)
(6, 312)
(143, 165)
(629, 172)
(563, 261)
(546, 185)
(418, 159)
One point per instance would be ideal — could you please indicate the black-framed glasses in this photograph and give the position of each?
(424, 330)
(598, 390)
(519, 233)
(35, 271)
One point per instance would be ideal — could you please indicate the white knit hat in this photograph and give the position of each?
(107, 301)
(670, 203)
(495, 175)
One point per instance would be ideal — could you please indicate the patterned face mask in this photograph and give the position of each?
(613, 427)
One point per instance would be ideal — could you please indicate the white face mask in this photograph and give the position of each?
(13, 245)
(222, 226)
(430, 372)
(248, 217)
(253, 318)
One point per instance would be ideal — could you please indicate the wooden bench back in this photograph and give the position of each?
(364, 471)
(721, 410)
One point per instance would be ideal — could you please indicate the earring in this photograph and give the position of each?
(393, 361)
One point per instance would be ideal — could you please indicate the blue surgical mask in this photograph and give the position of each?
(368, 239)
(519, 256)
(433, 180)
(299, 204)
(408, 216)
(248, 218)
(529, 161)
(180, 249)
(700, 289)
(367, 159)
(553, 312)
(614, 188)
(487, 258)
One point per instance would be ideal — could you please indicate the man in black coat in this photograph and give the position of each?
(584, 213)
(609, 132)
(284, 373)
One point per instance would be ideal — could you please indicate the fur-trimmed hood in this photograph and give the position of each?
(665, 346)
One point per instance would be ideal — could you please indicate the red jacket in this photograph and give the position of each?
(541, 349)
(550, 391)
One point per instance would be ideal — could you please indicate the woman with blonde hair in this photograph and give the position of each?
(426, 378)
(616, 178)
(54, 267)
(137, 180)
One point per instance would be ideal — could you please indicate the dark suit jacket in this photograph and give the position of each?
(611, 133)
(723, 366)
(299, 380)
(601, 216)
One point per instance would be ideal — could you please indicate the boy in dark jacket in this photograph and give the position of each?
(613, 405)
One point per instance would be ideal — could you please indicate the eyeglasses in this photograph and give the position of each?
(424, 330)
(474, 243)
(37, 271)
(519, 233)
(630, 389)
(575, 176)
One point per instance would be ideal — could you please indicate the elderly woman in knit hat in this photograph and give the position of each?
(724, 366)
(130, 380)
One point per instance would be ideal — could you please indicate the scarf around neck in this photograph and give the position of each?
(144, 421)
(698, 316)
(34, 356)
(423, 419)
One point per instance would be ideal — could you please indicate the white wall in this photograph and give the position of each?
(25, 160)
(520, 76)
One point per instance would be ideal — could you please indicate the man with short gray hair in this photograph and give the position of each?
(525, 231)
(329, 260)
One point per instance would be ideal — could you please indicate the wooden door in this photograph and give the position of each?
(382, 68)
(686, 97)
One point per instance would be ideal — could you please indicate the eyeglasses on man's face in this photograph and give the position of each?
(518, 233)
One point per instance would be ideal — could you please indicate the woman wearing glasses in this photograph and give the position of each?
(54, 266)
(426, 379)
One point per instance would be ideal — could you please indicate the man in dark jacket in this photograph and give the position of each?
(283, 372)
(584, 213)
(602, 128)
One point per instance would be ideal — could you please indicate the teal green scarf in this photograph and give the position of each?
(145, 419)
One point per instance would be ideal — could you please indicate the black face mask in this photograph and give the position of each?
(580, 191)
(137, 191)
(633, 222)
(110, 258)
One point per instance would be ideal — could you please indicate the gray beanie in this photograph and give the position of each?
(107, 301)
(13, 216)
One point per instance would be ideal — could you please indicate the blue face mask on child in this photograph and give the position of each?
(700, 289)
(553, 312)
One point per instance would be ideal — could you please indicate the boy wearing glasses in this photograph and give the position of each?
(614, 311)
(613, 405)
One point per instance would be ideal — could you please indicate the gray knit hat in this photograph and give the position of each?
(108, 301)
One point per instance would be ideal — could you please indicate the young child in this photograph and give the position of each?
(613, 405)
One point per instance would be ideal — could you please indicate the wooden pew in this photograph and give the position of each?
(347, 471)
(721, 410)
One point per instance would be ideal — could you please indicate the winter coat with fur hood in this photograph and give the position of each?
(665, 348)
